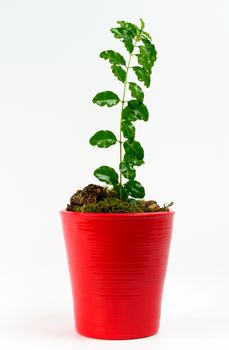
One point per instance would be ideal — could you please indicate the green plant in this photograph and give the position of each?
(139, 46)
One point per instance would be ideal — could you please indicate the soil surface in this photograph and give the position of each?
(99, 199)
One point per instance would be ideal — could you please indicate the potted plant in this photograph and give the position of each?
(117, 243)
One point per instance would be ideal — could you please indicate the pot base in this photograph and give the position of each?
(116, 336)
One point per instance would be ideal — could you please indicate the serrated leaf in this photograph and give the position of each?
(125, 36)
(106, 98)
(119, 33)
(135, 189)
(130, 27)
(151, 50)
(151, 56)
(136, 91)
(147, 55)
(139, 110)
(142, 75)
(106, 174)
(145, 62)
(128, 129)
(134, 150)
(150, 46)
(113, 57)
(103, 139)
(146, 35)
(129, 45)
(119, 72)
(127, 170)
(122, 33)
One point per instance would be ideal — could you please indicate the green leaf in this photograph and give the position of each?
(126, 36)
(103, 139)
(129, 45)
(132, 29)
(139, 110)
(134, 150)
(113, 57)
(145, 62)
(142, 75)
(106, 174)
(147, 56)
(135, 110)
(128, 129)
(150, 56)
(146, 35)
(136, 91)
(119, 33)
(142, 24)
(128, 115)
(127, 170)
(119, 72)
(135, 189)
(134, 161)
(151, 50)
(106, 98)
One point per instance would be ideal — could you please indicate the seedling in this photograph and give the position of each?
(141, 58)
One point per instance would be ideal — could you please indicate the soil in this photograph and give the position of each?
(98, 199)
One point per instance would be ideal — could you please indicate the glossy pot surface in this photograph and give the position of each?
(117, 267)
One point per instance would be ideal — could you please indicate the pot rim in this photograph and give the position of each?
(113, 215)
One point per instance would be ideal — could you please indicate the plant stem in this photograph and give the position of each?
(123, 102)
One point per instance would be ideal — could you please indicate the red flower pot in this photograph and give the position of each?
(117, 266)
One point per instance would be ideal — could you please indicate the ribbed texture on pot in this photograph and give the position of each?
(117, 266)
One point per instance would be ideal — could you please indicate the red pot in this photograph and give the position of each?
(117, 266)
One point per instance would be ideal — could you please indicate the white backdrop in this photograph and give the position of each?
(49, 72)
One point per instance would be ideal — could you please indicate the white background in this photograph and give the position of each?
(49, 72)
